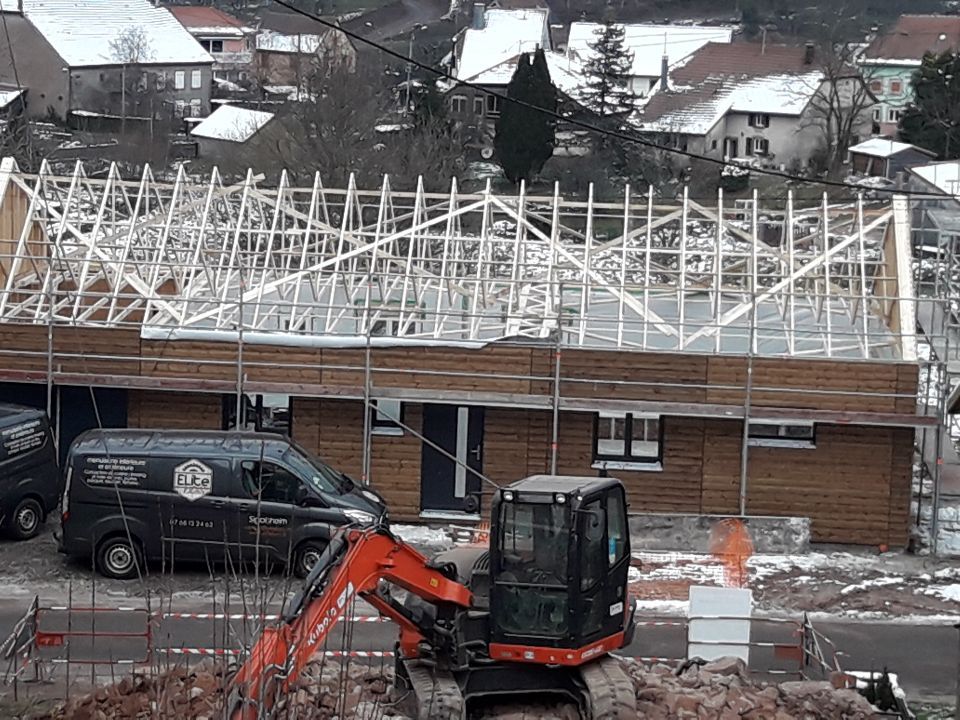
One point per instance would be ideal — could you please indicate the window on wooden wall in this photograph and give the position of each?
(384, 416)
(267, 412)
(788, 435)
(627, 441)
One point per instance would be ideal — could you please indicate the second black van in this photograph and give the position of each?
(131, 496)
(29, 478)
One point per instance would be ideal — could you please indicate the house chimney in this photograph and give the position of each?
(479, 16)
(664, 71)
(808, 53)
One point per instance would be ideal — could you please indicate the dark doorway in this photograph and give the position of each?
(445, 485)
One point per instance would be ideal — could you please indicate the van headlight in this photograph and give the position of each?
(373, 497)
(360, 517)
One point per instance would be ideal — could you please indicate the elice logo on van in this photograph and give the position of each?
(192, 479)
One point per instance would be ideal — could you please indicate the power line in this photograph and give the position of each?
(587, 126)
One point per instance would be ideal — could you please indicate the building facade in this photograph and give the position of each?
(434, 360)
(229, 42)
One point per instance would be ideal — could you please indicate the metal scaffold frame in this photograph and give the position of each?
(201, 257)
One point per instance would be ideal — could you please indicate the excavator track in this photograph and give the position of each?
(610, 691)
(436, 693)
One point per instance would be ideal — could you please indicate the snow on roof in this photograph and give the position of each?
(203, 20)
(945, 176)
(232, 123)
(881, 147)
(649, 43)
(506, 34)
(81, 31)
(7, 96)
(567, 74)
(278, 42)
(694, 110)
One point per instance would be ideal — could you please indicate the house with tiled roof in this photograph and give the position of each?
(647, 44)
(228, 40)
(486, 54)
(890, 60)
(116, 58)
(752, 101)
(291, 48)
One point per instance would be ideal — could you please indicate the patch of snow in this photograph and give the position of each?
(880, 147)
(422, 535)
(271, 41)
(661, 607)
(872, 583)
(506, 34)
(945, 176)
(634, 574)
(947, 592)
(82, 31)
(232, 123)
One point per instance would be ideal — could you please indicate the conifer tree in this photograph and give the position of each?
(524, 136)
(606, 91)
(933, 119)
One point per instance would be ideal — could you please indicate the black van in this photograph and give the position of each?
(135, 495)
(29, 478)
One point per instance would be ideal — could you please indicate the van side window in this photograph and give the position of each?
(270, 482)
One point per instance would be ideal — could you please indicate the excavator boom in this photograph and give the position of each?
(353, 564)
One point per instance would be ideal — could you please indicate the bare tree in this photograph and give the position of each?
(841, 106)
(132, 46)
(345, 123)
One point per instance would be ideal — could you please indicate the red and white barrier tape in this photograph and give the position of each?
(230, 653)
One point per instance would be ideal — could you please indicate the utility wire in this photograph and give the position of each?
(619, 135)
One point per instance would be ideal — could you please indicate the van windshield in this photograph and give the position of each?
(320, 475)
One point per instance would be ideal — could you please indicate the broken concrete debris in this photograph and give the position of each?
(718, 690)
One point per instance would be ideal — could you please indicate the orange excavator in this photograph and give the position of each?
(534, 614)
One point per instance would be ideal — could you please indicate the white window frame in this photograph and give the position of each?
(180, 80)
(769, 433)
(384, 424)
(761, 146)
(478, 106)
(458, 103)
(627, 461)
(900, 82)
(196, 79)
(759, 120)
(180, 108)
(894, 114)
(196, 107)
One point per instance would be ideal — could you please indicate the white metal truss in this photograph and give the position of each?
(206, 255)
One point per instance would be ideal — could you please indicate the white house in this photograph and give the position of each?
(649, 44)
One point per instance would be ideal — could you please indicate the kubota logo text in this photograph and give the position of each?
(331, 616)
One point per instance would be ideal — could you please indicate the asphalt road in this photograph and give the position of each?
(924, 656)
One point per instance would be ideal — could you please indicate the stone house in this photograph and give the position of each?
(111, 57)
(291, 48)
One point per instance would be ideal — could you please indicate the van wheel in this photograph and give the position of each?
(306, 557)
(117, 558)
(26, 519)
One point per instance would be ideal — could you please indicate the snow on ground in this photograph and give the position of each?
(865, 585)
(423, 536)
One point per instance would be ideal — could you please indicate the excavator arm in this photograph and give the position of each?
(353, 564)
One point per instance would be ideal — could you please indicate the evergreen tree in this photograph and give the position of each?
(933, 119)
(607, 89)
(525, 137)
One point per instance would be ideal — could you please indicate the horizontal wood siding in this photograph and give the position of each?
(23, 347)
(111, 352)
(854, 484)
(149, 409)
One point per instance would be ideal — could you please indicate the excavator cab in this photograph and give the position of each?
(559, 557)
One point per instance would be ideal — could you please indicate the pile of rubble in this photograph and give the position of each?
(720, 690)
(723, 690)
(324, 691)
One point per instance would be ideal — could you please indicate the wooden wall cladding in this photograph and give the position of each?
(96, 351)
(23, 347)
(151, 409)
(854, 484)
(192, 360)
(813, 384)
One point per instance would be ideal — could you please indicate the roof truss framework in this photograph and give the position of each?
(207, 254)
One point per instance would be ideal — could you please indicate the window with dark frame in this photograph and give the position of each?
(458, 103)
(761, 146)
(263, 413)
(384, 416)
(478, 105)
(626, 439)
(760, 120)
(774, 434)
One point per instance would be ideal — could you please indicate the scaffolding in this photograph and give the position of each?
(186, 260)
